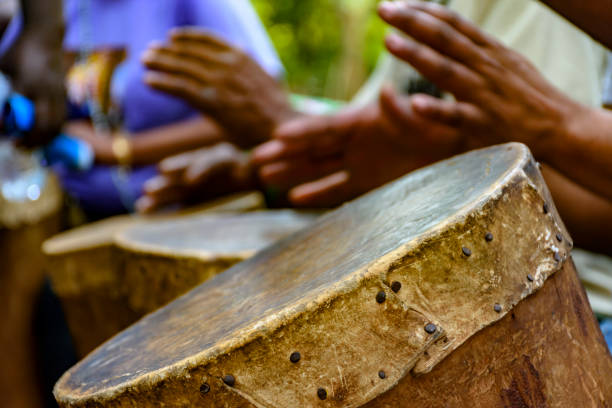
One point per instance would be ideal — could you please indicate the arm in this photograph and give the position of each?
(45, 15)
(151, 146)
(592, 16)
(587, 216)
(500, 96)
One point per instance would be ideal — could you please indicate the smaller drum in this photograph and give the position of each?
(85, 262)
(161, 261)
(150, 264)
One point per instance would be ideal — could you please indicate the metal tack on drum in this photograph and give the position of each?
(396, 286)
(295, 357)
(229, 380)
(204, 389)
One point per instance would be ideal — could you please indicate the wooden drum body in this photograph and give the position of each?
(86, 267)
(451, 287)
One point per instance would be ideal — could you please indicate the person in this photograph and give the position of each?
(108, 46)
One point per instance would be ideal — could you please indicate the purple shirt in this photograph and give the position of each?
(133, 24)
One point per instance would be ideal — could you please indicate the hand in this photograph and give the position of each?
(326, 160)
(198, 175)
(35, 67)
(500, 96)
(221, 81)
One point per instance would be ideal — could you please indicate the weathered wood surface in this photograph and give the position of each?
(547, 353)
(392, 285)
(86, 269)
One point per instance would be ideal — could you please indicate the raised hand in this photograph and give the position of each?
(500, 96)
(219, 80)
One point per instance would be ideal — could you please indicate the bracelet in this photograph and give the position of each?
(122, 149)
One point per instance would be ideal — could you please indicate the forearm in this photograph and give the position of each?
(44, 16)
(592, 16)
(587, 216)
(582, 150)
(154, 145)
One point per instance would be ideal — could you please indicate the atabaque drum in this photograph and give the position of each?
(451, 287)
(86, 269)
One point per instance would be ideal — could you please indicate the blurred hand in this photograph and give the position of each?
(221, 81)
(35, 67)
(198, 175)
(500, 96)
(326, 160)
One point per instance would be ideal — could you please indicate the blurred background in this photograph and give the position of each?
(328, 47)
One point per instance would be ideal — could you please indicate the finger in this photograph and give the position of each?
(145, 204)
(445, 14)
(176, 164)
(205, 167)
(182, 87)
(287, 174)
(201, 54)
(310, 127)
(454, 114)
(420, 131)
(441, 70)
(175, 63)
(153, 201)
(275, 150)
(197, 34)
(433, 31)
(320, 136)
(329, 191)
(158, 184)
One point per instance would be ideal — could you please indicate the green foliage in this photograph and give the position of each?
(309, 36)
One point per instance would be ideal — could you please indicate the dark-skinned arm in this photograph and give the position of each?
(500, 96)
(592, 16)
(151, 146)
(587, 216)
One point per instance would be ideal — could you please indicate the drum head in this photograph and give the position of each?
(209, 237)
